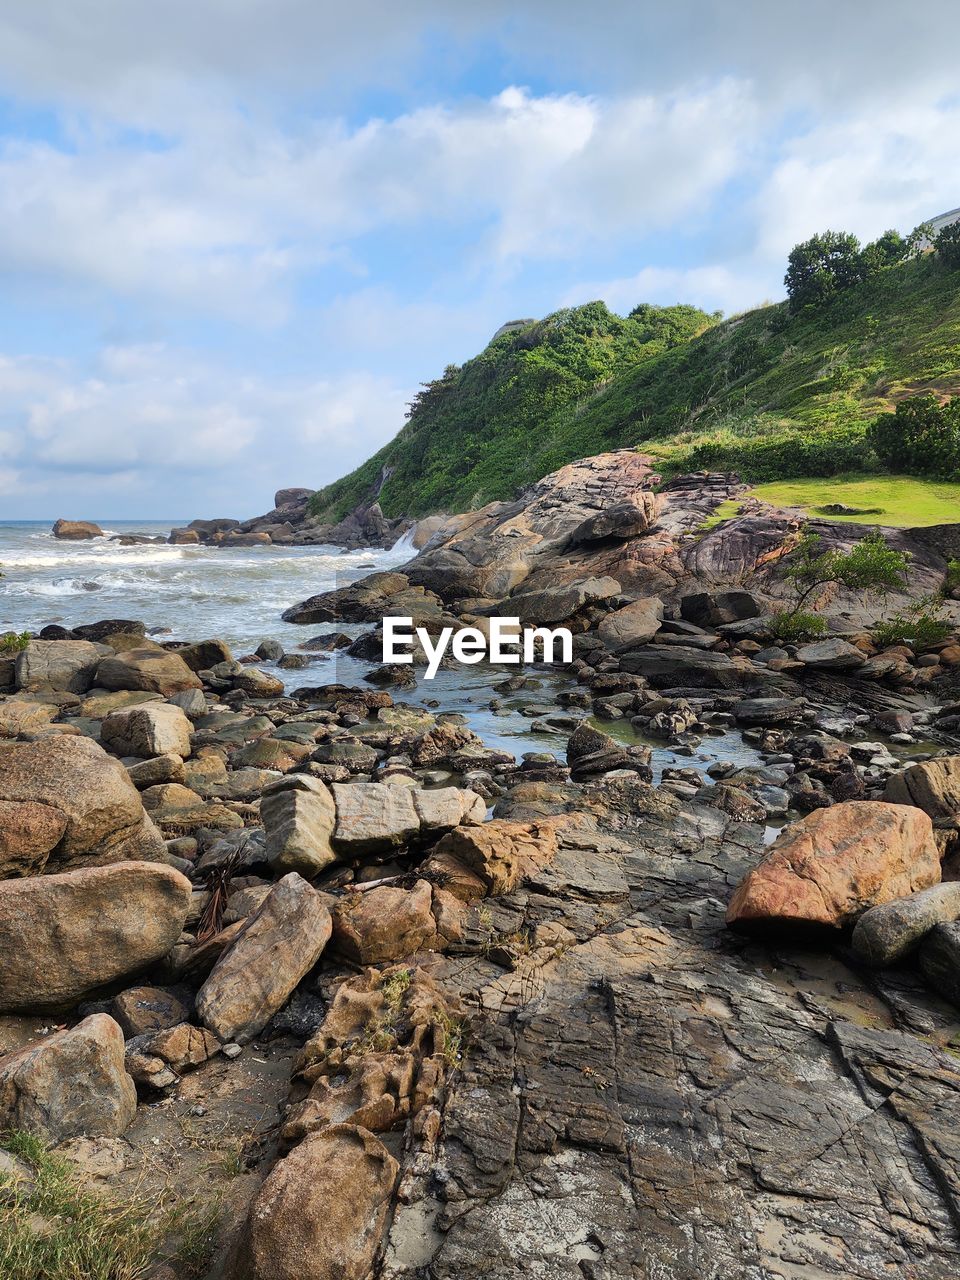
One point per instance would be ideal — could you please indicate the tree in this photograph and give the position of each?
(869, 565)
(821, 267)
(948, 246)
(884, 252)
(921, 437)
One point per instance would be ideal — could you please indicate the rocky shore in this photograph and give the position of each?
(448, 1014)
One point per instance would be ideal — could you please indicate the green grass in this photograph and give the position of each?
(900, 501)
(768, 394)
(58, 1230)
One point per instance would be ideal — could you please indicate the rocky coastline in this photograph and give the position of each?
(459, 1014)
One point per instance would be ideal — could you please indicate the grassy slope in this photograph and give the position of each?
(893, 501)
(768, 394)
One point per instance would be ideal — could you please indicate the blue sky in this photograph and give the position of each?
(234, 237)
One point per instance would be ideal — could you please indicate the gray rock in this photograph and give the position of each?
(886, 933)
(154, 729)
(63, 665)
(940, 960)
(831, 655)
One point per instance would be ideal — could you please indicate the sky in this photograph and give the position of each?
(235, 235)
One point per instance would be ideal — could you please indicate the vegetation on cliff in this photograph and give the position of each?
(775, 393)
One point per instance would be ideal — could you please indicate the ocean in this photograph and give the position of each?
(238, 594)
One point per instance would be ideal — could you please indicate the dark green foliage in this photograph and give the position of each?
(948, 246)
(884, 252)
(921, 437)
(794, 626)
(822, 267)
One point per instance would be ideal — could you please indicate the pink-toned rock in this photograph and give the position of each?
(835, 863)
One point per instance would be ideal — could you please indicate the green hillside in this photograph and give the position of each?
(771, 394)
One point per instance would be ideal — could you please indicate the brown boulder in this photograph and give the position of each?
(63, 665)
(833, 864)
(389, 922)
(71, 1084)
(150, 669)
(28, 832)
(76, 530)
(933, 786)
(64, 936)
(321, 1213)
(633, 625)
(277, 946)
(103, 816)
(502, 852)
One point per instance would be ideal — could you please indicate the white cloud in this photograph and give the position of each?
(863, 173)
(151, 423)
(223, 214)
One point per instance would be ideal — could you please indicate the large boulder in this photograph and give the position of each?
(502, 852)
(933, 786)
(64, 936)
(76, 530)
(832, 865)
(151, 669)
(831, 655)
(279, 944)
(717, 608)
(154, 729)
(633, 625)
(884, 934)
(620, 521)
(61, 665)
(72, 1084)
(64, 800)
(940, 960)
(322, 1211)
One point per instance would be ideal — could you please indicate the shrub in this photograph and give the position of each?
(918, 625)
(793, 626)
(870, 565)
(13, 642)
(921, 437)
(952, 578)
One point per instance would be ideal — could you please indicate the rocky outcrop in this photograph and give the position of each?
(65, 936)
(71, 1084)
(831, 866)
(76, 530)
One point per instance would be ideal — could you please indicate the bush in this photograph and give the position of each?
(793, 626)
(918, 625)
(13, 642)
(952, 578)
(921, 437)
